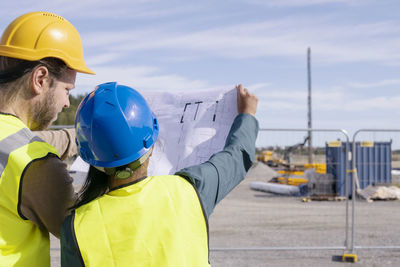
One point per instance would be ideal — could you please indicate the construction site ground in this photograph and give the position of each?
(250, 219)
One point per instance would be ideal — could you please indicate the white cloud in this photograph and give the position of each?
(382, 83)
(256, 87)
(289, 37)
(101, 59)
(332, 99)
(299, 3)
(376, 103)
(122, 9)
(140, 78)
(121, 13)
(331, 39)
(97, 8)
(342, 101)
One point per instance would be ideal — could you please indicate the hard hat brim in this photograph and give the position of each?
(20, 53)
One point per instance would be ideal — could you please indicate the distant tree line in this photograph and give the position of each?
(67, 116)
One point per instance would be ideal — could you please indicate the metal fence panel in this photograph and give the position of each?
(373, 165)
(272, 222)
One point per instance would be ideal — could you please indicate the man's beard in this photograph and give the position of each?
(44, 112)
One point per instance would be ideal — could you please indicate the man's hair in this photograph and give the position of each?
(10, 89)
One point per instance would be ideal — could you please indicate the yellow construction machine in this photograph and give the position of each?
(289, 173)
(270, 158)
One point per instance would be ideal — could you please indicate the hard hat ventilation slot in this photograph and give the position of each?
(52, 15)
(155, 124)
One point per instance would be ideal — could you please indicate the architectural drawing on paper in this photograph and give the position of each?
(193, 126)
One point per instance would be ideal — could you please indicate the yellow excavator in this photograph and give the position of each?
(289, 173)
(270, 158)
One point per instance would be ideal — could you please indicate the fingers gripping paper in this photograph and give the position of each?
(193, 126)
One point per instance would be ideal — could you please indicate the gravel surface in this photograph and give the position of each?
(251, 219)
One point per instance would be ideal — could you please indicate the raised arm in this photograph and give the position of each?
(215, 178)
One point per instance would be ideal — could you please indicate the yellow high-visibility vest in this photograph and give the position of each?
(157, 221)
(22, 242)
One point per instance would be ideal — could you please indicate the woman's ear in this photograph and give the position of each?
(40, 80)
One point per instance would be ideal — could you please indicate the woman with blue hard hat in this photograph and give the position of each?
(122, 217)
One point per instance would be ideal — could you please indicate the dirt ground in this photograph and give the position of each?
(251, 219)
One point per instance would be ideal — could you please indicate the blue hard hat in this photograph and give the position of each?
(114, 126)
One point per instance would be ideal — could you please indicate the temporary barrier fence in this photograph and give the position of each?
(373, 160)
(291, 145)
(362, 176)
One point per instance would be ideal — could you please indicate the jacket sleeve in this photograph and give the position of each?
(215, 178)
(63, 140)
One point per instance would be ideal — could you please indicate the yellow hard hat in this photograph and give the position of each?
(38, 35)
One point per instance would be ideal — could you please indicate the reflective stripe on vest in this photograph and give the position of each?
(157, 221)
(22, 243)
(12, 142)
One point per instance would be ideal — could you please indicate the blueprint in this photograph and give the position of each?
(193, 126)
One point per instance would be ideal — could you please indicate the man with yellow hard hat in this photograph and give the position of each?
(40, 55)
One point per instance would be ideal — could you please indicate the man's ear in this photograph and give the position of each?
(40, 80)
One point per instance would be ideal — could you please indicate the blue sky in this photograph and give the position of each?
(198, 45)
